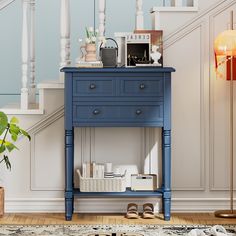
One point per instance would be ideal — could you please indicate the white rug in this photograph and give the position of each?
(116, 230)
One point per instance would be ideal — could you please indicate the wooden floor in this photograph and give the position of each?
(56, 218)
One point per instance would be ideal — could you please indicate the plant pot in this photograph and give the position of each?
(1, 201)
(90, 49)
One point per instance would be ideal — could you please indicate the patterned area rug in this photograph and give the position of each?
(116, 230)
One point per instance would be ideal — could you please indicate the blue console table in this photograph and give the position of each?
(118, 97)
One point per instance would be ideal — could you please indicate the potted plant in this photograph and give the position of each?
(9, 133)
(90, 45)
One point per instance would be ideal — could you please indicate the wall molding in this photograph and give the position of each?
(34, 130)
(111, 205)
(203, 118)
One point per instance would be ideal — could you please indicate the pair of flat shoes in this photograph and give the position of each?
(132, 211)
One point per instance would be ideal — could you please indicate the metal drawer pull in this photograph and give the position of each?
(92, 86)
(142, 86)
(138, 112)
(96, 112)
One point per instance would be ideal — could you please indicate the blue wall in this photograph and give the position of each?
(120, 18)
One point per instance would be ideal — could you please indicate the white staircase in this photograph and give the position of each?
(29, 89)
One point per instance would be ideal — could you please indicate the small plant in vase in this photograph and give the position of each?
(9, 130)
(90, 45)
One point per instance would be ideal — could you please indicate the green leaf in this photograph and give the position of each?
(25, 134)
(14, 129)
(14, 120)
(2, 148)
(3, 122)
(10, 146)
(14, 137)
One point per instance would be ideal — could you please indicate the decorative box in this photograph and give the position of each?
(143, 182)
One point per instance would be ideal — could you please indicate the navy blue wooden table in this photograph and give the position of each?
(118, 97)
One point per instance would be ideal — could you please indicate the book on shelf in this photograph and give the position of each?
(86, 64)
(92, 170)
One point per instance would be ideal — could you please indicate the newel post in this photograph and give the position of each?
(25, 58)
(65, 36)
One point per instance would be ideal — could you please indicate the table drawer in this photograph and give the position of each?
(117, 113)
(97, 87)
(142, 87)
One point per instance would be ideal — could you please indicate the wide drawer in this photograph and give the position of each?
(97, 87)
(110, 114)
(142, 87)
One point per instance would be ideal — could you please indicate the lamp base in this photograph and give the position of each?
(226, 214)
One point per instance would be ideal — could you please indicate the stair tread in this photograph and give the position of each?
(14, 108)
(53, 84)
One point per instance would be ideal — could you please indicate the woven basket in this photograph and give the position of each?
(102, 185)
(1, 201)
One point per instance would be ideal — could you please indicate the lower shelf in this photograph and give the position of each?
(127, 193)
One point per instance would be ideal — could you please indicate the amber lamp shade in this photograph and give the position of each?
(225, 43)
(225, 51)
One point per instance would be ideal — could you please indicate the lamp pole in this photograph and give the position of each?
(232, 124)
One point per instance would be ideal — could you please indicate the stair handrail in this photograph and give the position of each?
(5, 3)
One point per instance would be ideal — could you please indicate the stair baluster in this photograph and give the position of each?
(65, 36)
(178, 3)
(139, 15)
(25, 58)
(32, 88)
(102, 17)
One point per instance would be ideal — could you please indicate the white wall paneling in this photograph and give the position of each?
(47, 151)
(111, 205)
(109, 145)
(188, 143)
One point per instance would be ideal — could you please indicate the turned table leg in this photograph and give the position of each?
(166, 165)
(69, 165)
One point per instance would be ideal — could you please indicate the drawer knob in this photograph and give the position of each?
(92, 86)
(142, 86)
(138, 112)
(96, 112)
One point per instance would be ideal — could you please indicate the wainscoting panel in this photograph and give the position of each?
(47, 156)
(220, 126)
(187, 111)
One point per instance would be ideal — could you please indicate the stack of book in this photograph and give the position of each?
(92, 170)
(93, 64)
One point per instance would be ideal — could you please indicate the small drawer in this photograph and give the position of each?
(98, 87)
(142, 87)
(118, 113)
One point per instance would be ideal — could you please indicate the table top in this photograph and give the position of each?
(120, 69)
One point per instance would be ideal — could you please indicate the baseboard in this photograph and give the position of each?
(112, 205)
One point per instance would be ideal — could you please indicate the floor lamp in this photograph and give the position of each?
(225, 54)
